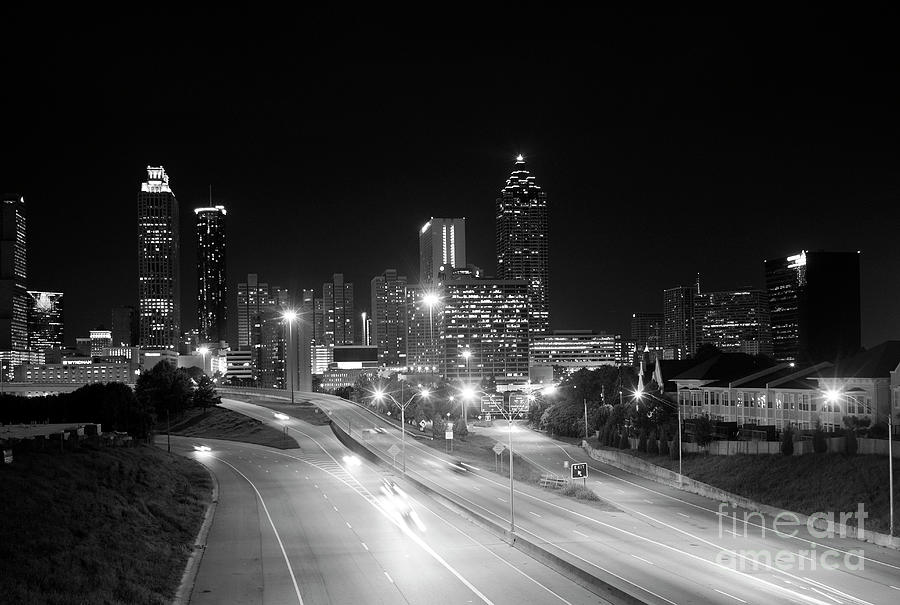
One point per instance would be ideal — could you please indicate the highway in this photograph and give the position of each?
(307, 526)
(659, 544)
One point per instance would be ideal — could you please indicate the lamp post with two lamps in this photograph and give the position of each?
(289, 316)
(833, 396)
(380, 396)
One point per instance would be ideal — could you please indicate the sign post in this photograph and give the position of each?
(448, 435)
(579, 471)
(393, 451)
(498, 449)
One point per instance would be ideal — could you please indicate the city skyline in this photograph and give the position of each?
(621, 195)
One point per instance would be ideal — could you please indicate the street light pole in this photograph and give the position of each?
(289, 317)
(891, 467)
(512, 510)
(585, 419)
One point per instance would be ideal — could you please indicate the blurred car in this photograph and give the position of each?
(202, 448)
(281, 416)
(458, 466)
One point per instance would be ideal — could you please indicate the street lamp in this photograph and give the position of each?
(289, 316)
(832, 396)
(203, 351)
(380, 395)
(469, 393)
(467, 354)
(638, 395)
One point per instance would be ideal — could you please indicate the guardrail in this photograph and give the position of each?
(553, 481)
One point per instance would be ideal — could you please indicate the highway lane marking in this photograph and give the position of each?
(476, 488)
(642, 559)
(684, 515)
(348, 524)
(274, 529)
(364, 545)
(501, 499)
(334, 507)
(647, 501)
(729, 595)
(719, 514)
(390, 579)
(371, 500)
(895, 587)
(534, 513)
(581, 534)
(825, 595)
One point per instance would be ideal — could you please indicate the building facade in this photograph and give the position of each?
(523, 242)
(679, 328)
(423, 332)
(79, 373)
(101, 341)
(212, 293)
(389, 318)
(252, 299)
(124, 326)
(159, 285)
(814, 305)
(573, 350)
(487, 319)
(45, 321)
(734, 321)
(338, 315)
(647, 333)
(14, 298)
(442, 243)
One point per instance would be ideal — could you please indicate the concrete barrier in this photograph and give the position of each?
(606, 589)
(625, 462)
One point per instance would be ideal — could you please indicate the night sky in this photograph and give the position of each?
(665, 151)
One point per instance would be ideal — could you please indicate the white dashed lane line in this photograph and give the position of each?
(642, 559)
(729, 595)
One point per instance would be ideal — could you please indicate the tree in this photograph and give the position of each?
(787, 441)
(460, 429)
(851, 445)
(317, 384)
(623, 441)
(703, 430)
(663, 442)
(165, 389)
(642, 441)
(206, 396)
(653, 444)
(820, 445)
(676, 446)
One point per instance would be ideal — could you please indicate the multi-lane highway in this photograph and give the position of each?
(659, 544)
(308, 526)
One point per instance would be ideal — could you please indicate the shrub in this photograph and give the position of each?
(623, 441)
(578, 491)
(664, 443)
(703, 431)
(642, 442)
(676, 447)
(653, 444)
(787, 441)
(820, 446)
(851, 445)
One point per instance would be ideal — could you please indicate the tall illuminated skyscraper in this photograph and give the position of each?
(14, 299)
(814, 305)
(159, 286)
(339, 317)
(211, 289)
(389, 318)
(523, 243)
(45, 321)
(442, 243)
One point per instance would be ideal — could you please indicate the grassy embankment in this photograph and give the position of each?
(98, 524)
(222, 423)
(805, 484)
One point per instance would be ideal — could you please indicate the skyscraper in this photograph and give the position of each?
(679, 328)
(442, 243)
(45, 321)
(646, 332)
(252, 298)
(14, 299)
(523, 242)
(159, 286)
(814, 305)
(339, 316)
(389, 318)
(305, 331)
(423, 330)
(734, 321)
(124, 326)
(211, 290)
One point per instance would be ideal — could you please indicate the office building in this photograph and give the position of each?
(14, 298)
(734, 322)
(423, 332)
(240, 368)
(78, 373)
(45, 321)
(271, 359)
(523, 242)
(159, 286)
(124, 326)
(389, 318)
(350, 362)
(568, 351)
(101, 341)
(488, 318)
(338, 314)
(647, 332)
(679, 329)
(211, 289)
(442, 243)
(814, 305)
(252, 299)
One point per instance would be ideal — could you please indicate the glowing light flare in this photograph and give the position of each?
(468, 393)
(289, 315)
(431, 299)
